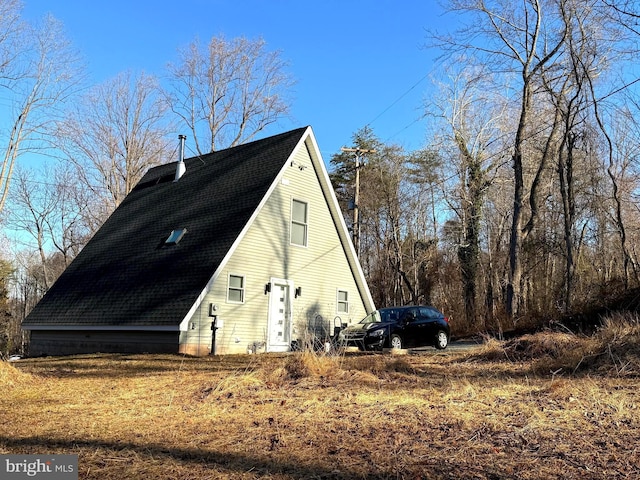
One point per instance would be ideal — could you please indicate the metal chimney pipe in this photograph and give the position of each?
(180, 168)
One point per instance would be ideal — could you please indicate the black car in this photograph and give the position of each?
(399, 327)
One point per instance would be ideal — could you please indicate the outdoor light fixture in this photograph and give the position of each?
(298, 292)
(299, 165)
(267, 288)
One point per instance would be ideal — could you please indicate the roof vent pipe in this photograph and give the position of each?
(180, 169)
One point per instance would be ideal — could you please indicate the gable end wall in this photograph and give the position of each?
(265, 252)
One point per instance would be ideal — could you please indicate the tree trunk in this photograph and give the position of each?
(565, 171)
(515, 239)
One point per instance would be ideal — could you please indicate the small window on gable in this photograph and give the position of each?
(235, 292)
(343, 301)
(299, 226)
(175, 236)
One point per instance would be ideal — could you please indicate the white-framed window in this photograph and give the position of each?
(299, 222)
(235, 290)
(343, 301)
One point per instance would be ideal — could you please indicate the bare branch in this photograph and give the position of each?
(113, 135)
(228, 91)
(44, 75)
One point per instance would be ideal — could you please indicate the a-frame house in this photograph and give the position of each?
(243, 249)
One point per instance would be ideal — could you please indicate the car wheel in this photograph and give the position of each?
(395, 341)
(442, 340)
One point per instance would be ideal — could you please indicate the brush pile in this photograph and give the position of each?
(613, 350)
(11, 376)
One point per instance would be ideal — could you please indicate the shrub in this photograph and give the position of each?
(10, 376)
(309, 363)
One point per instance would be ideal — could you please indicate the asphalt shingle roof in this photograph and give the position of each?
(126, 276)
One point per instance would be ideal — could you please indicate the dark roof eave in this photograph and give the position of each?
(80, 327)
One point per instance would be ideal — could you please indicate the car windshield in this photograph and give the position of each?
(382, 316)
(373, 317)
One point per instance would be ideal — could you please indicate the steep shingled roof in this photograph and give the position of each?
(127, 277)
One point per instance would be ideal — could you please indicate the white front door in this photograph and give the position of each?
(280, 318)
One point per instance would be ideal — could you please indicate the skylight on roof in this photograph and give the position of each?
(175, 236)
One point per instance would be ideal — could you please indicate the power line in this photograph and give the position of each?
(405, 128)
(533, 134)
(399, 98)
(423, 78)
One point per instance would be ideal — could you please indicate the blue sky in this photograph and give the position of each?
(356, 63)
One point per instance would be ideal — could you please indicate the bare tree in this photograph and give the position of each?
(39, 70)
(566, 57)
(571, 99)
(32, 206)
(625, 12)
(112, 137)
(45, 210)
(398, 248)
(7, 326)
(10, 32)
(473, 116)
(524, 38)
(228, 91)
(624, 15)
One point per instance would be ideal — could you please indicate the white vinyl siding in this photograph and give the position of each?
(320, 269)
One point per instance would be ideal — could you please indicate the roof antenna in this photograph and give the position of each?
(181, 168)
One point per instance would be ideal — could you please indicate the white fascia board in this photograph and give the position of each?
(336, 213)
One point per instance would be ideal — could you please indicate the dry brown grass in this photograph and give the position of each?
(613, 350)
(550, 406)
(11, 377)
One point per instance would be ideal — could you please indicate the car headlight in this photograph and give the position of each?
(376, 333)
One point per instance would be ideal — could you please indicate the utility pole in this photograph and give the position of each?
(356, 196)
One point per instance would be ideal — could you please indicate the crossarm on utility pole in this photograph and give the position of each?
(356, 196)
